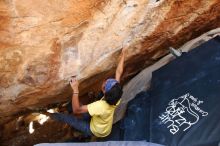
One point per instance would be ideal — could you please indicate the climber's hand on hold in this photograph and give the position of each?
(74, 84)
(76, 106)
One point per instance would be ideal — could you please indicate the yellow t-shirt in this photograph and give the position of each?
(102, 117)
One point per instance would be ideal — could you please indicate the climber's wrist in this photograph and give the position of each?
(75, 90)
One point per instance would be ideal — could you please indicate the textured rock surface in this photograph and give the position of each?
(43, 43)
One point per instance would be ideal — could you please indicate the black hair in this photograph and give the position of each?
(115, 93)
(99, 95)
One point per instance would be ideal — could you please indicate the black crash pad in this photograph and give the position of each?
(182, 106)
(186, 97)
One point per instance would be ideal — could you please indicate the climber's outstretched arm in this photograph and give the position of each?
(77, 108)
(120, 67)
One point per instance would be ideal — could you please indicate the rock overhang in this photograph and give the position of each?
(44, 43)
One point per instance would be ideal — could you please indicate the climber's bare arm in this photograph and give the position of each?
(120, 67)
(77, 108)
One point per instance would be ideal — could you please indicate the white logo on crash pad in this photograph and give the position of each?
(182, 112)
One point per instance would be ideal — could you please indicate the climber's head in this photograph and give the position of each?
(112, 90)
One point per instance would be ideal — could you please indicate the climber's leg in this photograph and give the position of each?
(79, 124)
(86, 116)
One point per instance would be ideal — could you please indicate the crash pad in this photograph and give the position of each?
(109, 143)
(182, 105)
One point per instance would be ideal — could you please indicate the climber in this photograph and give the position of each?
(97, 117)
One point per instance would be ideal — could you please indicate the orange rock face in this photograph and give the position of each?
(43, 43)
